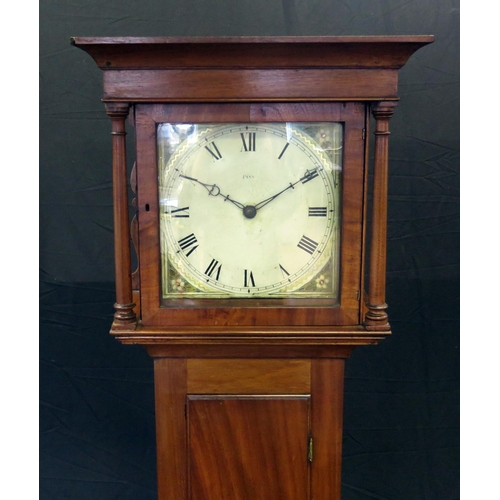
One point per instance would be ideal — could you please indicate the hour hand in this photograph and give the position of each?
(213, 190)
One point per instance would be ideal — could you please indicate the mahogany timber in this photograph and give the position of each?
(226, 313)
(327, 398)
(248, 447)
(376, 317)
(248, 376)
(253, 61)
(171, 439)
(205, 437)
(268, 379)
(251, 52)
(251, 342)
(273, 85)
(216, 69)
(124, 316)
(362, 301)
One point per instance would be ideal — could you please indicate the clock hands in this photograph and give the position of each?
(214, 190)
(309, 175)
(271, 198)
(250, 211)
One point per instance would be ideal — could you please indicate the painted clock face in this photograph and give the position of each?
(250, 210)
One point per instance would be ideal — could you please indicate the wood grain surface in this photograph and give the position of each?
(248, 376)
(112, 53)
(242, 386)
(327, 380)
(257, 312)
(171, 440)
(169, 85)
(247, 448)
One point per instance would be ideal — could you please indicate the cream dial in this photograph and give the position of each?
(247, 210)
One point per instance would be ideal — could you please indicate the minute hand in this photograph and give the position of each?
(310, 174)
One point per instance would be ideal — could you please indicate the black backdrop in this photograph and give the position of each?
(97, 405)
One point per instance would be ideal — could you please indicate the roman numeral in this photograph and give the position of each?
(249, 281)
(309, 176)
(250, 145)
(212, 149)
(179, 212)
(187, 243)
(211, 269)
(283, 151)
(317, 211)
(307, 244)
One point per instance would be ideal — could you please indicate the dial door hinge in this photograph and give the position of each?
(364, 134)
(310, 449)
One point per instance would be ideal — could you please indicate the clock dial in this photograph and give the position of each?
(249, 210)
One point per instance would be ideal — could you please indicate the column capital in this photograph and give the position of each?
(117, 109)
(383, 109)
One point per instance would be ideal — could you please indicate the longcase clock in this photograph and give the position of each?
(251, 189)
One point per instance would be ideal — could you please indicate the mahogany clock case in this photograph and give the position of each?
(401, 418)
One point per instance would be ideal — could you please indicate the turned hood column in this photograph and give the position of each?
(376, 317)
(124, 316)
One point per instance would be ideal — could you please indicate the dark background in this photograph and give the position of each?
(401, 433)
